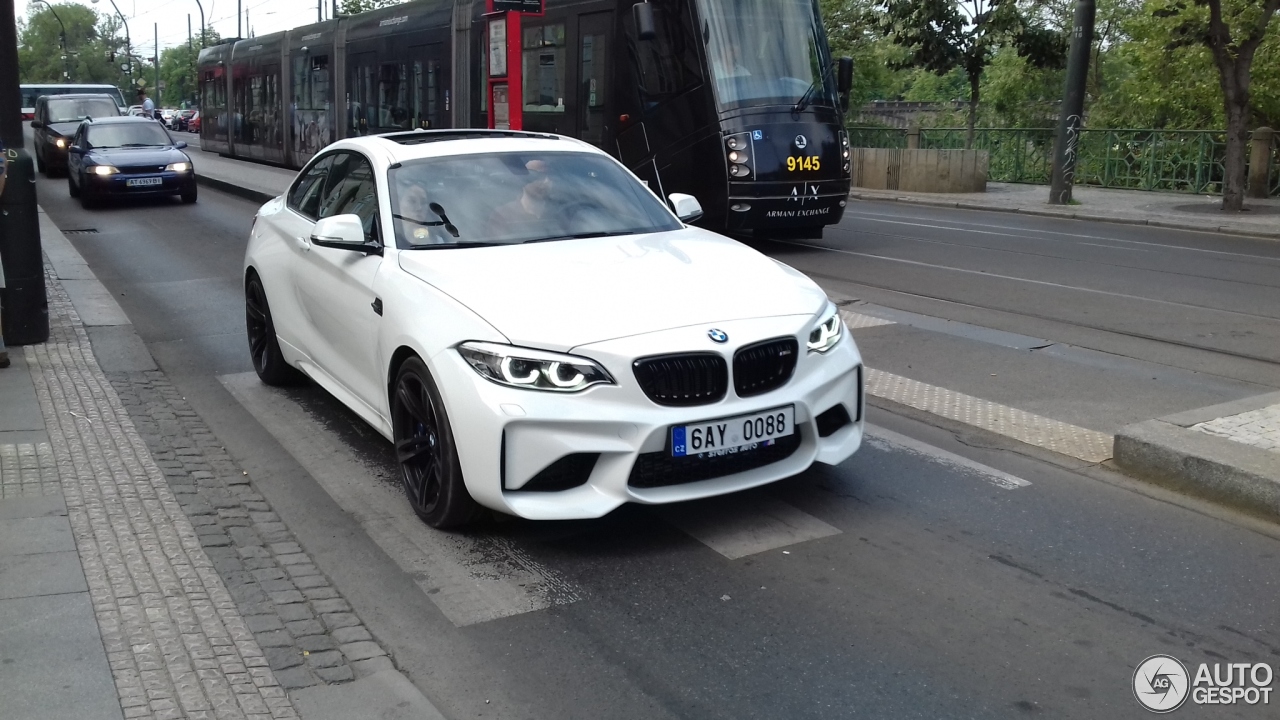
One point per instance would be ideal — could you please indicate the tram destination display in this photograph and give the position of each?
(525, 6)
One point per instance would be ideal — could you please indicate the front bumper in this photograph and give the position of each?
(172, 183)
(507, 436)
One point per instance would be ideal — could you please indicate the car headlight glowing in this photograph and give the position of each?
(533, 369)
(178, 167)
(103, 170)
(60, 142)
(827, 332)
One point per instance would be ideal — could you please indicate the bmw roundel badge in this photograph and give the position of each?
(718, 336)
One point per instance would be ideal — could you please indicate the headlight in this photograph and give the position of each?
(827, 332)
(103, 170)
(60, 142)
(737, 157)
(533, 369)
(178, 167)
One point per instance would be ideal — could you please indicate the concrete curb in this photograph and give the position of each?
(231, 188)
(1221, 229)
(1166, 452)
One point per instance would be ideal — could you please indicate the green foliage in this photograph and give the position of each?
(355, 7)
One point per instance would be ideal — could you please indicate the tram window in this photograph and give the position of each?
(544, 69)
(393, 97)
(668, 64)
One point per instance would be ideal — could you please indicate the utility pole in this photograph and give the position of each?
(239, 17)
(191, 57)
(128, 44)
(1066, 147)
(203, 34)
(157, 61)
(24, 308)
(319, 10)
(62, 37)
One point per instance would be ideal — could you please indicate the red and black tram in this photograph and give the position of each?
(737, 102)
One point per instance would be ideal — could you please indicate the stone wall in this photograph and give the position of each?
(937, 171)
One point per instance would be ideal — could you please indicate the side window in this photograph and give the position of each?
(351, 190)
(304, 197)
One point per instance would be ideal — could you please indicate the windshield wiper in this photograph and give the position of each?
(579, 236)
(808, 94)
(448, 246)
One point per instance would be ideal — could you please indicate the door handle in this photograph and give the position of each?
(377, 306)
(302, 242)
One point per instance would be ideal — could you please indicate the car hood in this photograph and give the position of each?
(137, 157)
(561, 295)
(66, 129)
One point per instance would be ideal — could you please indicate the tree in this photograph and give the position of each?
(355, 7)
(178, 70)
(943, 35)
(1210, 23)
(40, 46)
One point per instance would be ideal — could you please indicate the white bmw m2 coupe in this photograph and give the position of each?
(538, 333)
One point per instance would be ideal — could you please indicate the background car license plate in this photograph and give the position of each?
(732, 434)
(144, 182)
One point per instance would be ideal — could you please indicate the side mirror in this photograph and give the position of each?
(646, 26)
(844, 81)
(36, 124)
(686, 207)
(181, 144)
(75, 150)
(343, 232)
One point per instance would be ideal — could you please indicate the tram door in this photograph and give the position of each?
(429, 79)
(595, 66)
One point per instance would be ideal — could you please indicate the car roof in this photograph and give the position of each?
(79, 96)
(122, 119)
(420, 144)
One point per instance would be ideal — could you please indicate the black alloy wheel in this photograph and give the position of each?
(429, 467)
(264, 349)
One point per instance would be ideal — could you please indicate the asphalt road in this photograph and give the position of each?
(938, 593)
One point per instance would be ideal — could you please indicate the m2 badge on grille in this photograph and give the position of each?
(732, 435)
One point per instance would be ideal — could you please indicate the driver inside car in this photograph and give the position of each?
(419, 224)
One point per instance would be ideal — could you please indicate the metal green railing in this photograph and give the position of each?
(1168, 160)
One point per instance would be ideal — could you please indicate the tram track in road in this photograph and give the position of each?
(957, 298)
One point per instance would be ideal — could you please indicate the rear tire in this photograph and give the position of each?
(428, 455)
(264, 348)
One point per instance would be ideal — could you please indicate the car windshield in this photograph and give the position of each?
(511, 198)
(134, 134)
(71, 110)
(766, 52)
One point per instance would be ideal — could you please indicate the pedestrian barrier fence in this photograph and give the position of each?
(1170, 160)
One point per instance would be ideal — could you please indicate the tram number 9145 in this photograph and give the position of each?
(808, 162)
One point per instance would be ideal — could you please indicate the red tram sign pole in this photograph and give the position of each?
(506, 71)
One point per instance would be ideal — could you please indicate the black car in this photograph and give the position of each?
(57, 117)
(127, 157)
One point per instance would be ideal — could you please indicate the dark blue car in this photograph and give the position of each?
(126, 157)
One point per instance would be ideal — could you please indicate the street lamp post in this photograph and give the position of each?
(128, 44)
(202, 31)
(62, 36)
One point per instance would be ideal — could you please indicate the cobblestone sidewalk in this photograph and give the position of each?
(190, 574)
(1259, 428)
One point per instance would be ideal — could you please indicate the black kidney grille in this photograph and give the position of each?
(765, 366)
(659, 469)
(683, 380)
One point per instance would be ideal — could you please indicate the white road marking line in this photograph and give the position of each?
(876, 218)
(471, 579)
(1113, 247)
(745, 524)
(856, 320)
(881, 437)
(1060, 437)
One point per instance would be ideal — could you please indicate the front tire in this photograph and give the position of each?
(425, 448)
(264, 348)
(189, 196)
(72, 188)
